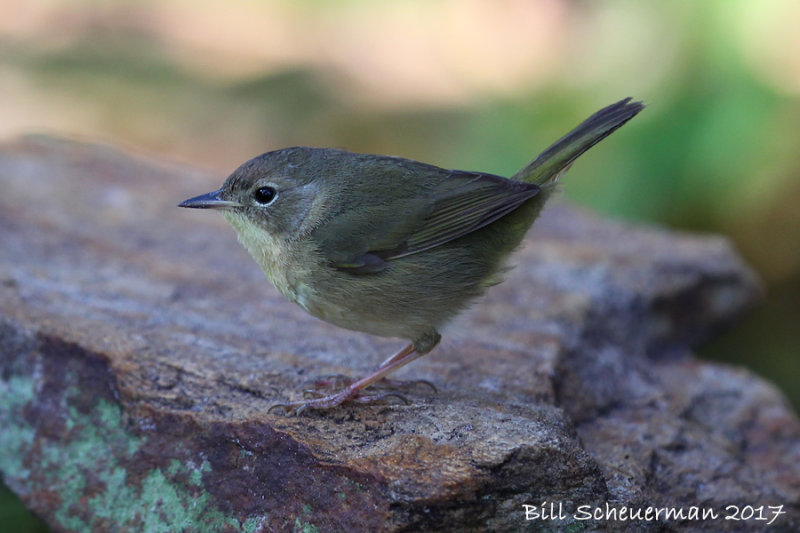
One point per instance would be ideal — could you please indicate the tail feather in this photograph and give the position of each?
(554, 161)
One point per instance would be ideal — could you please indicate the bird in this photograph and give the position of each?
(386, 245)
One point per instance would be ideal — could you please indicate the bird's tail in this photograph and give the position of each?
(545, 170)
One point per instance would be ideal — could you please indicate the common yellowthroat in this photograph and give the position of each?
(386, 245)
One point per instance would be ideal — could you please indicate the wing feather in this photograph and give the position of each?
(476, 204)
(365, 239)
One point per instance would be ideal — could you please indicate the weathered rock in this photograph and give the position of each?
(141, 348)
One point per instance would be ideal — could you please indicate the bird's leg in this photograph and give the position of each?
(400, 359)
(401, 384)
(399, 355)
(336, 380)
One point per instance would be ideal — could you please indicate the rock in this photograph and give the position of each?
(142, 347)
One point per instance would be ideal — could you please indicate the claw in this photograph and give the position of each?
(334, 400)
(323, 402)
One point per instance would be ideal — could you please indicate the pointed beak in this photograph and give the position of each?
(210, 200)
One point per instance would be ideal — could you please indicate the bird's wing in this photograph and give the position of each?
(365, 238)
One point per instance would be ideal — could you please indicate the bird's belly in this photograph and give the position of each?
(352, 309)
(416, 294)
(337, 312)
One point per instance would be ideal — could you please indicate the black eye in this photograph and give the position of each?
(265, 195)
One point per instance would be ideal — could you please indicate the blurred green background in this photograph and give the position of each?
(473, 84)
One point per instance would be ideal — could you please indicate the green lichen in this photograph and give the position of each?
(170, 508)
(252, 525)
(196, 474)
(15, 436)
(174, 467)
(303, 527)
(112, 503)
(96, 449)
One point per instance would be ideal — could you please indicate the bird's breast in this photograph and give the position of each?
(276, 256)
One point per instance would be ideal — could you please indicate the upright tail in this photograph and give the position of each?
(553, 162)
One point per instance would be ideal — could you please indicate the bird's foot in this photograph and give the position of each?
(334, 400)
(352, 392)
(336, 381)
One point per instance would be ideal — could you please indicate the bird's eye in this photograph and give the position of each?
(265, 195)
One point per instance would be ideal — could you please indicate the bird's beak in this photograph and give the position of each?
(210, 200)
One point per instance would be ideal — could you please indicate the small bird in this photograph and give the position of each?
(386, 245)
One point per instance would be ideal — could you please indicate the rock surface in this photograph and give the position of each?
(141, 348)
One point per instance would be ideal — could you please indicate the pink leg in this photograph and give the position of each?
(399, 355)
(401, 358)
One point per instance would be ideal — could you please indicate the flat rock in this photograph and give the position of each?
(142, 347)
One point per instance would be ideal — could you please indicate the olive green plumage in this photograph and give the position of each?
(386, 245)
